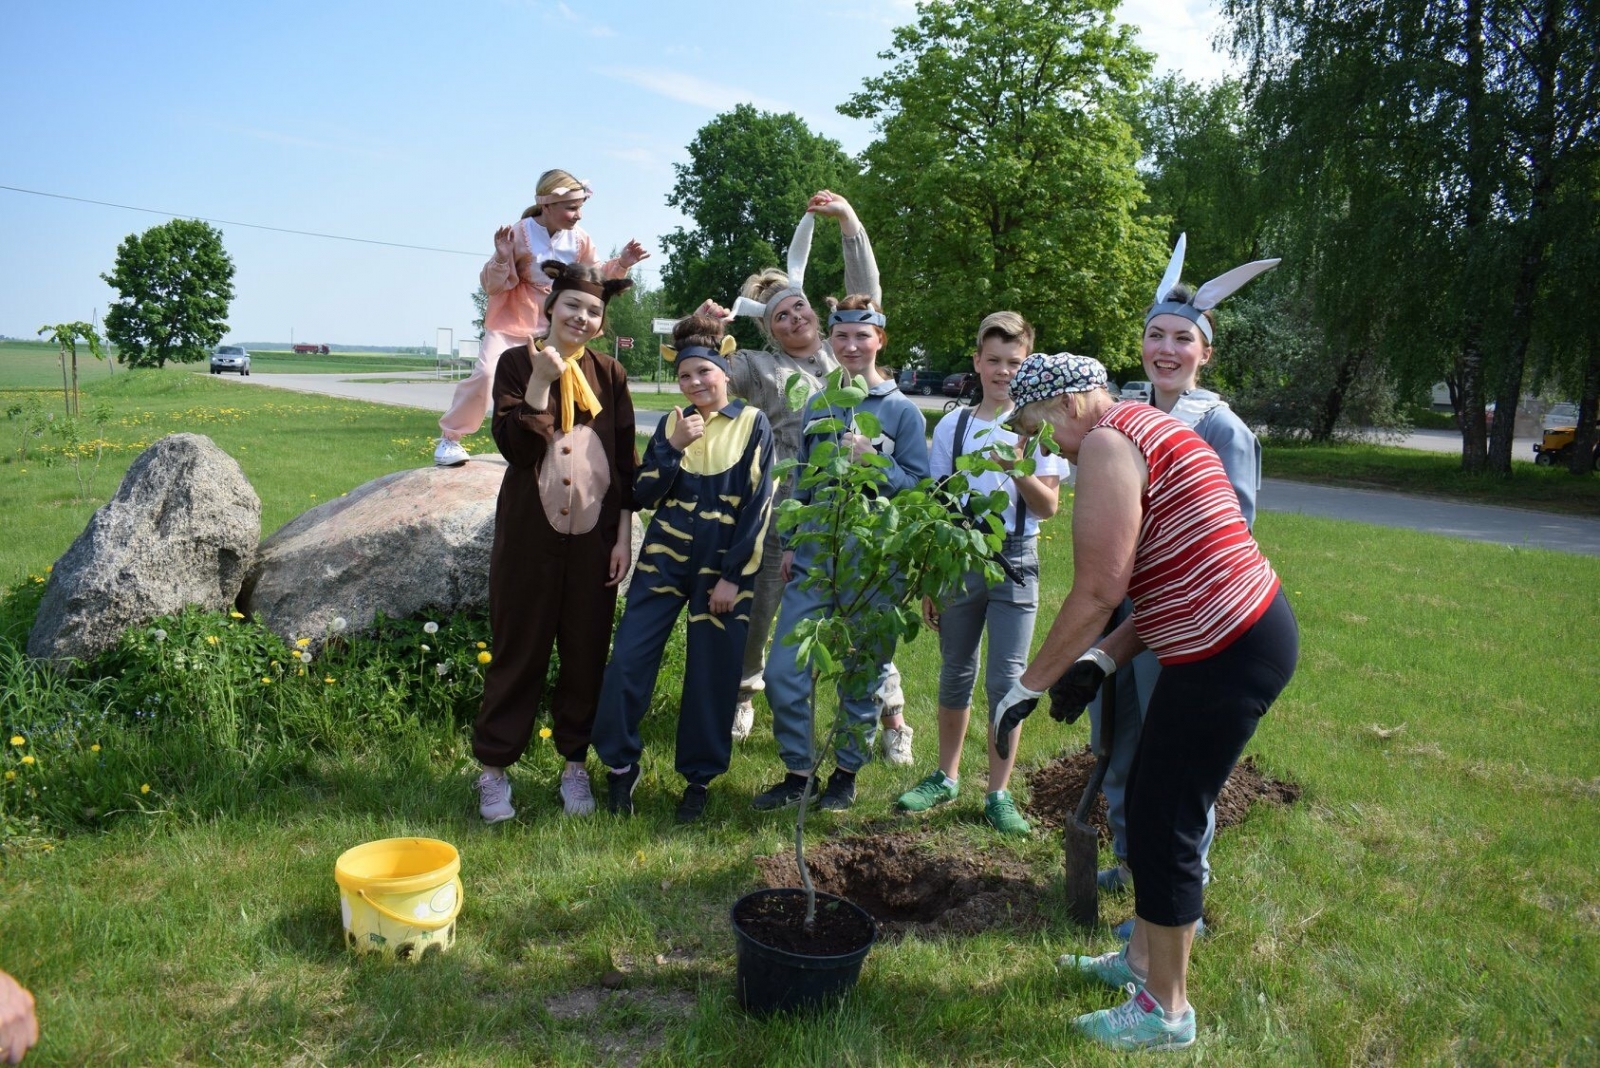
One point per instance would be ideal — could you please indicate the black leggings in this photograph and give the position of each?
(1201, 715)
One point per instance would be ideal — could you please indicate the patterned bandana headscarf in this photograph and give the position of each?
(1043, 375)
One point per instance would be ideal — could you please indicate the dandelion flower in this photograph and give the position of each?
(544, 732)
(427, 648)
(160, 635)
(329, 679)
(484, 658)
(305, 657)
(144, 788)
(211, 639)
(17, 739)
(236, 614)
(28, 759)
(49, 568)
(430, 627)
(483, 645)
(95, 748)
(339, 624)
(441, 669)
(301, 643)
(266, 680)
(10, 775)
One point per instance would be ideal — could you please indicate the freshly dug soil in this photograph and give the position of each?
(1055, 788)
(778, 920)
(906, 885)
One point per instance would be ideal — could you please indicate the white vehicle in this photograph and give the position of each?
(1137, 391)
(230, 358)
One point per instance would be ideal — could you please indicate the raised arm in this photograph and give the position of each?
(860, 266)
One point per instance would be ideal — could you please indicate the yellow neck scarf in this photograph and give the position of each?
(575, 391)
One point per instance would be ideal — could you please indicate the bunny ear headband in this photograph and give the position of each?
(581, 191)
(718, 355)
(799, 254)
(1207, 296)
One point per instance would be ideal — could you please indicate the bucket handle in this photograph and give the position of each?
(410, 921)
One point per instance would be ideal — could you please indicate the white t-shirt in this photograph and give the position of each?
(982, 434)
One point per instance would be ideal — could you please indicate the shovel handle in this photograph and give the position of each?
(1102, 750)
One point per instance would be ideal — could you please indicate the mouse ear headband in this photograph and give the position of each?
(718, 355)
(1207, 296)
(563, 276)
(799, 255)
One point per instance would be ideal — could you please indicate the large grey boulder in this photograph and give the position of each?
(399, 544)
(182, 529)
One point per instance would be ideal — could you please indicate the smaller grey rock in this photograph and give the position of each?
(182, 529)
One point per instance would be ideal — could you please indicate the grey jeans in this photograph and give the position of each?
(1008, 610)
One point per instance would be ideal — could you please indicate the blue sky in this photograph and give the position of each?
(417, 123)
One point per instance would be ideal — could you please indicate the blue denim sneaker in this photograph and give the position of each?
(1109, 968)
(1138, 1024)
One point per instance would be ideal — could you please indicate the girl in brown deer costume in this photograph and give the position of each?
(562, 536)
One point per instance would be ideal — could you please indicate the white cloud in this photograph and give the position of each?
(688, 89)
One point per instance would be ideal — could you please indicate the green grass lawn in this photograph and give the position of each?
(1431, 899)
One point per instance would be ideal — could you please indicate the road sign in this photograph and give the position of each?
(624, 343)
(662, 326)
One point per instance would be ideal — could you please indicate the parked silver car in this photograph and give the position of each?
(1139, 391)
(230, 358)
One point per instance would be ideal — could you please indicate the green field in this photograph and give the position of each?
(1432, 898)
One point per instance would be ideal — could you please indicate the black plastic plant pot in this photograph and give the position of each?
(784, 968)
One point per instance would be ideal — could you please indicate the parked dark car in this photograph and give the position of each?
(923, 383)
(960, 384)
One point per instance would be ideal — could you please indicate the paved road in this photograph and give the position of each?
(1505, 526)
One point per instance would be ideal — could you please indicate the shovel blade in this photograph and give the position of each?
(1081, 847)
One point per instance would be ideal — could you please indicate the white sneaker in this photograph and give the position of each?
(890, 697)
(575, 792)
(494, 797)
(897, 745)
(449, 454)
(744, 719)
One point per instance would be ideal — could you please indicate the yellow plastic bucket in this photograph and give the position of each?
(399, 896)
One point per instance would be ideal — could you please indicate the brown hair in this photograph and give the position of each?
(548, 183)
(1008, 326)
(697, 330)
(860, 302)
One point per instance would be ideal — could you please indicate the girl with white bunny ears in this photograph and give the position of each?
(776, 299)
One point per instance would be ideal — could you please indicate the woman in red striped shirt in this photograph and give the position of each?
(1156, 519)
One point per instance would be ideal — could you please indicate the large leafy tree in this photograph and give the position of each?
(745, 187)
(1419, 145)
(175, 282)
(1003, 175)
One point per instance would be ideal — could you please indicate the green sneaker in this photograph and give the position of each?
(1109, 968)
(1003, 815)
(934, 790)
(1138, 1024)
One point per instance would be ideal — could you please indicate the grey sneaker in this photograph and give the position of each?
(449, 454)
(744, 718)
(1114, 880)
(494, 797)
(576, 796)
(897, 745)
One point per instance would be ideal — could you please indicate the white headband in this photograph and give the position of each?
(1207, 296)
(562, 192)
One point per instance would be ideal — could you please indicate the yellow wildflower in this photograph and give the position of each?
(329, 679)
(144, 788)
(211, 639)
(17, 739)
(236, 614)
(483, 645)
(49, 568)
(266, 681)
(95, 748)
(544, 732)
(484, 658)
(301, 643)
(28, 759)
(10, 775)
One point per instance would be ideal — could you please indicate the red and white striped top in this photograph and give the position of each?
(1199, 579)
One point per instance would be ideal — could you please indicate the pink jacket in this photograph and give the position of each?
(517, 288)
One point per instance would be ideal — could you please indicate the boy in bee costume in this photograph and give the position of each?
(708, 474)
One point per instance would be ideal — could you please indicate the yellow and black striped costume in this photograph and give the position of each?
(712, 502)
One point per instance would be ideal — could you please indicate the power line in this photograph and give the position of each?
(231, 222)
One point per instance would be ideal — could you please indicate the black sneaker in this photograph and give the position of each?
(841, 791)
(619, 790)
(693, 805)
(784, 794)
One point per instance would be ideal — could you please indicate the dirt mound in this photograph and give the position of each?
(1054, 790)
(908, 885)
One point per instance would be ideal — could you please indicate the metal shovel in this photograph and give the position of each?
(1080, 843)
